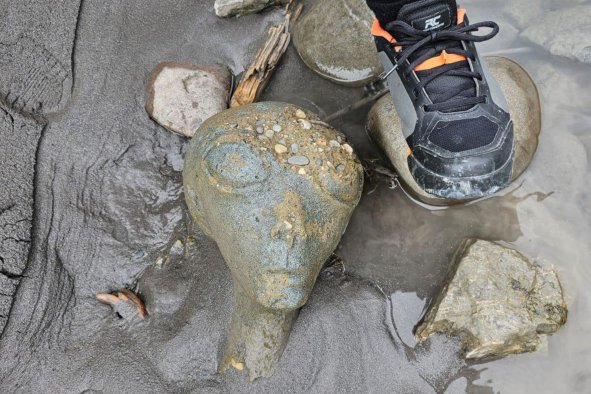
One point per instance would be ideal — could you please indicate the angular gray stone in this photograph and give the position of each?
(225, 8)
(182, 96)
(383, 125)
(564, 32)
(497, 302)
(333, 39)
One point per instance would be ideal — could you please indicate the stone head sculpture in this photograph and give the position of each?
(275, 188)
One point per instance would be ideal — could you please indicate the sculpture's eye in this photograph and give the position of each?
(235, 165)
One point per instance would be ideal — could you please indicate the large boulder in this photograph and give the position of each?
(334, 40)
(181, 96)
(524, 104)
(498, 302)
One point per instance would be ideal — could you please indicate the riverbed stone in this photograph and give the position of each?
(497, 302)
(181, 96)
(333, 39)
(564, 32)
(384, 126)
(225, 8)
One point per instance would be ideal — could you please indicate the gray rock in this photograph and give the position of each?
(524, 104)
(182, 96)
(225, 8)
(497, 302)
(334, 40)
(564, 32)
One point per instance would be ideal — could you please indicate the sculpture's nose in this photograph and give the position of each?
(289, 228)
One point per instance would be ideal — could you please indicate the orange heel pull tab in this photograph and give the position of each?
(408, 151)
(378, 31)
(442, 59)
(461, 15)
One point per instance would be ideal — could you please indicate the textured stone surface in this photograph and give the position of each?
(497, 302)
(333, 39)
(226, 8)
(564, 32)
(181, 96)
(275, 216)
(524, 104)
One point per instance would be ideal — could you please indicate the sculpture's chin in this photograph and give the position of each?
(286, 298)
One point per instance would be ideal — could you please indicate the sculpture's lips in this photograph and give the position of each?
(285, 277)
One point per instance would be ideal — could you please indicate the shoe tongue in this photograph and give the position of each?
(429, 14)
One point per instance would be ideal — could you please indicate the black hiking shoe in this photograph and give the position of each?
(454, 115)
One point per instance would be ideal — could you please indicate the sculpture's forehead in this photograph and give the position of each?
(246, 142)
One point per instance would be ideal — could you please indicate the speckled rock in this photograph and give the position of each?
(564, 32)
(181, 95)
(224, 8)
(524, 104)
(275, 216)
(333, 39)
(498, 302)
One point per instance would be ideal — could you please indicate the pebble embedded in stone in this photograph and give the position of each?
(280, 148)
(277, 128)
(340, 168)
(300, 114)
(305, 124)
(301, 171)
(294, 148)
(260, 129)
(348, 148)
(334, 144)
(269, 133)
(298, 160)
(318, 162)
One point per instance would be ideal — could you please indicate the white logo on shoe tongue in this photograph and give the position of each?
(433, 23)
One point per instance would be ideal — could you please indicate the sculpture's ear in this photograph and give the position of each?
(196, 208)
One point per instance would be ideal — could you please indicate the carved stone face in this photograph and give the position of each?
(275, 222)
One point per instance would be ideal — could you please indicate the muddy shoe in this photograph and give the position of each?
(454, 116)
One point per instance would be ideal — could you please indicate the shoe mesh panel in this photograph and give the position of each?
(459, 136)
(445, 87)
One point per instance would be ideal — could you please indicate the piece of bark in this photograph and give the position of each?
(257, 75)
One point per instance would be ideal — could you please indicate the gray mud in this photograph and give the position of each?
(108, 206)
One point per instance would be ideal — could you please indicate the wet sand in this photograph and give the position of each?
(109, 205)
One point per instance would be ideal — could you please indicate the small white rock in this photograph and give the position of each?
(300, 114)
(348, 148)
(305, 124)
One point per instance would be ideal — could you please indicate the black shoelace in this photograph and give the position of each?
(427, 44)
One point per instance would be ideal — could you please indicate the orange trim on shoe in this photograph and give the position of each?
(461, 15)
(442, 59)
(378, 31)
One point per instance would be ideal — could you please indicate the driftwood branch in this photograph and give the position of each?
(257, 75)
